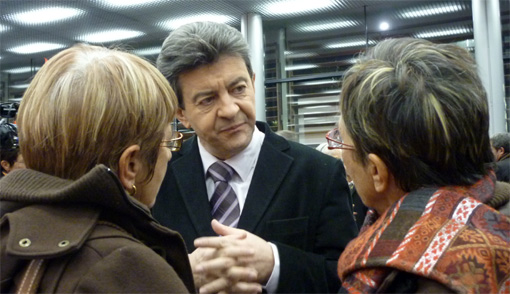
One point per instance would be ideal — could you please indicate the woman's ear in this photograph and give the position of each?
(129, 166)
(379, 172)
(5, 165)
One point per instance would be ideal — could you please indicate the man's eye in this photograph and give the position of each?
(206, 101)
(239, 89)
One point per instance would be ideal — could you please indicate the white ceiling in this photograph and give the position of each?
(151, 22)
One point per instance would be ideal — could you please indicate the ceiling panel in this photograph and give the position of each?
(342, 19)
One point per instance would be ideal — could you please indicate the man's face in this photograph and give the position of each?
(219, 104)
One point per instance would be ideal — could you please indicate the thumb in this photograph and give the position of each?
(223, 230)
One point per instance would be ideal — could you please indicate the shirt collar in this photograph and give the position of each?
(243, 162)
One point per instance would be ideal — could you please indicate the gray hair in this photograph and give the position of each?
(421, 107)
(501, 140)
(196, 44)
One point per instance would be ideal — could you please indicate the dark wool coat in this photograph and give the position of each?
(94, 236)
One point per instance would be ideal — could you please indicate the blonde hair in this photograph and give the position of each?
(86, 105)
(422, 108)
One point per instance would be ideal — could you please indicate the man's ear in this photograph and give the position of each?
(379, 172)
(5, 165)
(129, 166)
(253, 82)
(499, 152)
(182, 118)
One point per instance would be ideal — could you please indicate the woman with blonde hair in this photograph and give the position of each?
(94, 129)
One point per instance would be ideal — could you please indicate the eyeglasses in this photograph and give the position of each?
(173, 144)
(335, 141)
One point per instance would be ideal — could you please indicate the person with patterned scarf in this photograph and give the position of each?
(414, 129)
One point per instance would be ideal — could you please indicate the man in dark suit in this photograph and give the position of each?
(294, 202)
(500, 144)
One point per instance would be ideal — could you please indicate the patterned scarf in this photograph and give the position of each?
(447, 235)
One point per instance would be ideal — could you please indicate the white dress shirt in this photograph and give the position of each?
(244, 165)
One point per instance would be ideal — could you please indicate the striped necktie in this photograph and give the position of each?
(224, 203)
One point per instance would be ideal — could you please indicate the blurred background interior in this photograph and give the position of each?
(300, 48)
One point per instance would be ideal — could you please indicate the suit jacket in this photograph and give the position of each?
(503, 169)
(298, 199)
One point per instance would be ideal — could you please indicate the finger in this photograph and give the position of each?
(238, 273)
(243, 287)
(215, 266)
(216, 242)
(223, 230)
(236, 251)
(217, 285)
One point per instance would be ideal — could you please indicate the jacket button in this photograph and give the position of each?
(63, 243)
(25, 242)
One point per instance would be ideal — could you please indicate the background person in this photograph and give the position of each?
(500, 145)
(10, 157)
(94, 129)
(428, 229)
(294, 203)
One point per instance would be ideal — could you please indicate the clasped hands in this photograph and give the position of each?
(235, 261)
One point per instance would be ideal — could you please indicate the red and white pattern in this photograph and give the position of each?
(365, 279)
(384, 226)
(443, 238)
(409, 236)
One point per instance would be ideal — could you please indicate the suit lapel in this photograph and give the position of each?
(272, 167)
(192, 189)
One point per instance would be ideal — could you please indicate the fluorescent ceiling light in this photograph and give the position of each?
(331, 92)
(296, 6)
(35, 47)
(294, 95)
(3, 28)
(300, 67)
(328, 26)
(412, 13)
(348, 44)
(441, 33)
(318, 82)
(172, 24)
(129, 3)
(110, 36)
(147, 51)
(384, 26)
(20, 86)
(21, 70)
(290, 54)
(45, 15)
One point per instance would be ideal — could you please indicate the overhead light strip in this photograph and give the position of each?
(174, 23)
(327, 26)
(290, 7)
(147, 51)
(416, 13)
(300, 67)
(129, 3)
(35, 47)
(45, 15)
(110, 36)
(347, 44)
(21, 70)
(442, 33)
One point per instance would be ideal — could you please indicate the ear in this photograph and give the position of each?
(5, 165)
(253, 82)
(379, 172)
(182, 118)
(129, 166)
(500, 151)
